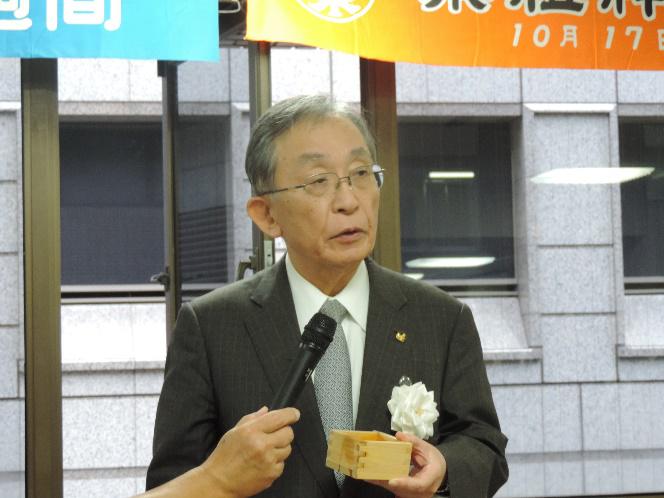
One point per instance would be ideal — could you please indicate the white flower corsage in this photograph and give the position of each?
(413, 409)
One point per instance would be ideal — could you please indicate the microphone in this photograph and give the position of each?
(317, 336)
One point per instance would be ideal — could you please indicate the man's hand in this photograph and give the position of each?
(428, 471)
(251, 455)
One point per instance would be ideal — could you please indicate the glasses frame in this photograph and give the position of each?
(376, 170)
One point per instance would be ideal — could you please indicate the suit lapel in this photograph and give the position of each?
(275, 334)
(385, 358)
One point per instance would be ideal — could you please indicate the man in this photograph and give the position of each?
(311, 163)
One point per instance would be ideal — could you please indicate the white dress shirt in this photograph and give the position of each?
(355, 298)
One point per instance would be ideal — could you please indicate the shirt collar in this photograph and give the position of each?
(308, 299)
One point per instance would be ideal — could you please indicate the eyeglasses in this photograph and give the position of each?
(362, 178)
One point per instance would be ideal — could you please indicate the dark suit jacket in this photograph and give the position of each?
(232, 348)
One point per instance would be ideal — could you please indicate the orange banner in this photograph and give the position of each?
(582, 34)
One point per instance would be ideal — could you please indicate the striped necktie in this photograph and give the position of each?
(333, 382)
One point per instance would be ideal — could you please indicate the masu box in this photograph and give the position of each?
(368, 455)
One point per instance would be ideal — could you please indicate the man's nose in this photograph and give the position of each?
(344, 179)
(344, 195)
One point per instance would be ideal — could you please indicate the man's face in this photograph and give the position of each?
(333, 232)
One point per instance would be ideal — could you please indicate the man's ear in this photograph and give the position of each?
(259, 210)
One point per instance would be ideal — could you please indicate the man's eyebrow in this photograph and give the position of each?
(308, 157)
(359, 152)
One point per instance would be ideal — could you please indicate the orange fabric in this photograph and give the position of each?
(609, 34)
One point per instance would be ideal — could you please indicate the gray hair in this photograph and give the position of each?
(260, 163)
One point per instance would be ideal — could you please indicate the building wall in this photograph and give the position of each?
(577, 367)
(12, 405)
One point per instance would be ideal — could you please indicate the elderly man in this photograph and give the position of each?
(312, 165)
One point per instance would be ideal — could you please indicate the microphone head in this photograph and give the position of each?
(320, 330)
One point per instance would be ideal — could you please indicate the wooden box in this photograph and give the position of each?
(368, 455)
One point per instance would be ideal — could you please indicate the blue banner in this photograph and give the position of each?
(123, 29)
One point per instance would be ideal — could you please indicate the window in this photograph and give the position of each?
(456, 200)
(111, 202)
(204, 203)
(642, 144)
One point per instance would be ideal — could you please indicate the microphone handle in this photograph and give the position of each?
(298, 374)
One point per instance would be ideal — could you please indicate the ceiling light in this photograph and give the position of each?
(451, 175)
(451, 262)
(591, 176)
(414, 276)
(576, 108)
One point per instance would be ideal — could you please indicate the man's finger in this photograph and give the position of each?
(281, 437)
(275, 420)
(402, 486)
(252, 416)
(402, 436)
(419, 459)
(282, 454)
(415, 485)
(421, 449)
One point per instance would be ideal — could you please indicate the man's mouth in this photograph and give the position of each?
(349, 233)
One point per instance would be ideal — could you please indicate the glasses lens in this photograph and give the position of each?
(362, 177)
(378, 174)
(320, 184)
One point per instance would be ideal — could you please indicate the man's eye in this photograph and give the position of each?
(362, 172)
(319, 181)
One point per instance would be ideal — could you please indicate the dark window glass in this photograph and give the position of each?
(204, 203)
(642, 144)
(456, 200)
(111, 200)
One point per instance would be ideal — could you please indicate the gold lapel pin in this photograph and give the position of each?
(400, 336)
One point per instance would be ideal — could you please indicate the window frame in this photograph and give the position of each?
(471, 113)
(642, 284)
